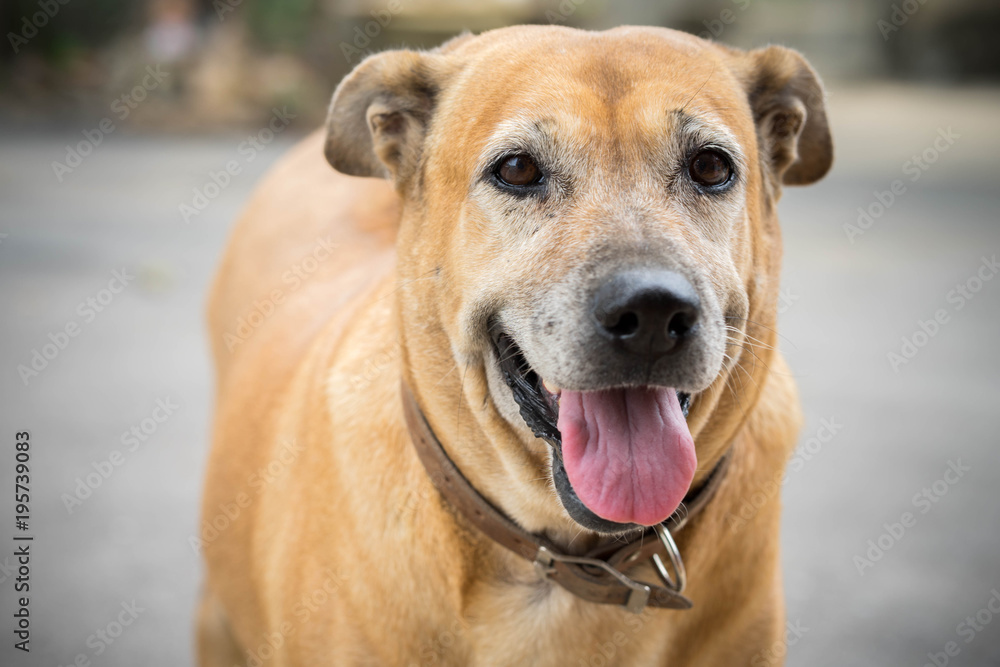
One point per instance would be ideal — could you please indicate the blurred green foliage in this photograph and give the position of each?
(58, 29)
(283, 24)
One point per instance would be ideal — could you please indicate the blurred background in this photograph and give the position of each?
(117, 121)
(229, 61)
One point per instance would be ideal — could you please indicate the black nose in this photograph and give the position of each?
(646, 312)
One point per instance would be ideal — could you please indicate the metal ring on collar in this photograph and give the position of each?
(673, 553)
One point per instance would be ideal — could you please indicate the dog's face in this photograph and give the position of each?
(589, 233)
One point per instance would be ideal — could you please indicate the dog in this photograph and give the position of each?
(518, 341)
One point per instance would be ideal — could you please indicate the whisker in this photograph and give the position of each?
(507, 358)
(756, 358)
(758, 324)
(735, 395)
(756, 342)
(443, 377)
(461, 394)
(423, 276)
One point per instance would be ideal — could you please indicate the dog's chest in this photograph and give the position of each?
(542, 625)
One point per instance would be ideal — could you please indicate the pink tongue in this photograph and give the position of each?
(628, 452)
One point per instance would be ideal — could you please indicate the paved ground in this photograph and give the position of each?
(890, 434)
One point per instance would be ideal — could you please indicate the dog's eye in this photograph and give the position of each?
(709, 168)
(518, 170)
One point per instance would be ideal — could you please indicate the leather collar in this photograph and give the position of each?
(596, 577)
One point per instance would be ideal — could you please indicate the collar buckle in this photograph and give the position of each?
(638, 596)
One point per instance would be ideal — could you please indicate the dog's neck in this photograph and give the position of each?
(604, 582)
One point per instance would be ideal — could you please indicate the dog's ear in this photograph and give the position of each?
(789, 110)
(379, 115)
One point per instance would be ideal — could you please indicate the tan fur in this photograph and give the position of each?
(324, 539)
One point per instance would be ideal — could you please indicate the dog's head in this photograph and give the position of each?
(589, 247)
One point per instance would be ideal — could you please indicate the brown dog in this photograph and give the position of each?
(576, 237)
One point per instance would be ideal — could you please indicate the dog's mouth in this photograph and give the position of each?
(623, 457)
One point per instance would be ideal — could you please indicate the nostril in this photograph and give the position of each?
(627, 325)
(680, 324)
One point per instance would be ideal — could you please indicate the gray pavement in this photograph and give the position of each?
(886, 553)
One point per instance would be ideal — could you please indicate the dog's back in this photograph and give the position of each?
(290, 256)
(308, 243)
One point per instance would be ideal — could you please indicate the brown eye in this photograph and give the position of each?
(709, 168)
(519, 171)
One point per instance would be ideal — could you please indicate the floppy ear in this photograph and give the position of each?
(379, 115)
(788, 105)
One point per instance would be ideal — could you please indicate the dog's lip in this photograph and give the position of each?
(538, 403)
(539, 408)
